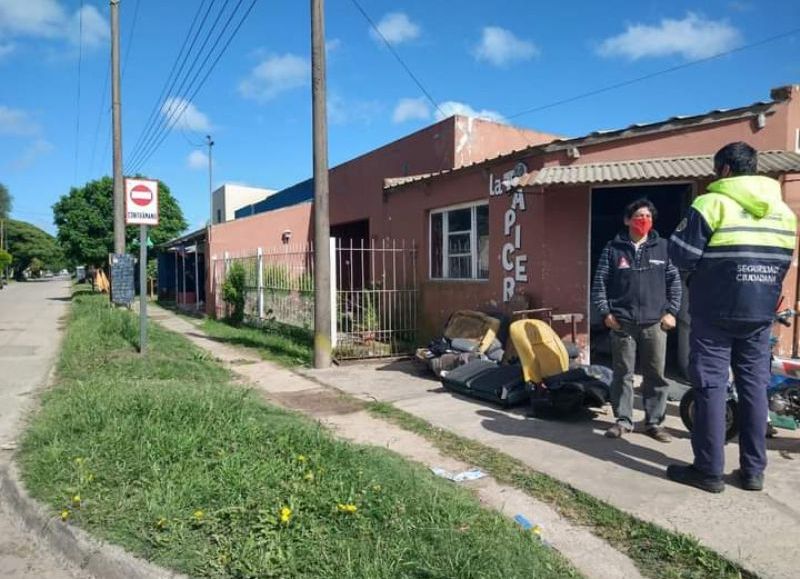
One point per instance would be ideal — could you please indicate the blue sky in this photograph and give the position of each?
(492, 59)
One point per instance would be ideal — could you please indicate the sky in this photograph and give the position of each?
(494, 60)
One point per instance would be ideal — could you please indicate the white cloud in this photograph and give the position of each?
(501, 47)
(411, 109)
(693, 37)
(276, 74)
(197, 160)
(96, 29)
(31, 154)
(343, 111)
(396, 28)
(333, 45)
(16, 122)
(189, 118)
(450, 108)
(49, 19)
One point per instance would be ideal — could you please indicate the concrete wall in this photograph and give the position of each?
(227, 199)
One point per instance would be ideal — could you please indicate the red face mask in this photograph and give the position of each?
(641, 225)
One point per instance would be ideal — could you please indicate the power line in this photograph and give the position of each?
(173, 113)
(101, 109)
(78, 100)
(172, 77)
(210, 69)
(652, 74)
(400, 60)
(130, 38)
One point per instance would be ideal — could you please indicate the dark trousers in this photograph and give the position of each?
(651, 342)
(715, 348)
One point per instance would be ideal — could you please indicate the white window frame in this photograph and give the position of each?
(445, 241)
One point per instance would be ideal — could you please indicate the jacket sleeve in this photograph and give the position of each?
(600, 284)
(674, 289)
(687, 244)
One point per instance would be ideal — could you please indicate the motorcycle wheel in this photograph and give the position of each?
(731, 415)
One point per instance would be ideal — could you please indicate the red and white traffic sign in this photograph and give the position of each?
(141, 202)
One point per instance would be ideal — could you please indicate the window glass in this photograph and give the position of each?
(437, 245)
(482, 227)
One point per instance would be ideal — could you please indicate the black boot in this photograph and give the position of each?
(688, 475)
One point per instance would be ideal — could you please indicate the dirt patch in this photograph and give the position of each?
(317, 402)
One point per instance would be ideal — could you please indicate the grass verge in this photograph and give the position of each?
(165, 457)
(656, 551)
(287, 346)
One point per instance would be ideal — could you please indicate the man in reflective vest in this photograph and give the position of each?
(736, 245)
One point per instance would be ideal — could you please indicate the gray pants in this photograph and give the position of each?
(651, 342)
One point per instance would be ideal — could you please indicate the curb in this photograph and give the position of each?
(98, 558)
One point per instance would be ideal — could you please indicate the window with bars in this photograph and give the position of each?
(459, 242)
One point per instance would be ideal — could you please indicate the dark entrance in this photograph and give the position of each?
(608, 207)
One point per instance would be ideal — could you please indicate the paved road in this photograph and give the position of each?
(30, 315)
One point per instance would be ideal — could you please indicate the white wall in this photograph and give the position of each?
(228, 198)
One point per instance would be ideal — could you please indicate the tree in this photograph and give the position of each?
(5, 260)
(6, 202)
(27, 243)
(85, 221)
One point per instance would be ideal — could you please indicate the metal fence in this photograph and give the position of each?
(374, 293)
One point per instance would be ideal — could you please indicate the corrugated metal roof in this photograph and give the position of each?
(596, 137)
(698, 166)
(294, 195)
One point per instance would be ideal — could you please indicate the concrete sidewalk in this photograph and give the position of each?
(758, 530)
(592, 556)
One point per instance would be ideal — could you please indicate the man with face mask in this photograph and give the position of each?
(638, 292)
(736, 244)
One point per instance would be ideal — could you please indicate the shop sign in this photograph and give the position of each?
(514, 262)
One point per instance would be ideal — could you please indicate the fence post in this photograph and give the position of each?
(334, 265)
(260, 277)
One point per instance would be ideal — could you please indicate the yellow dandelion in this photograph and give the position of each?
(79, 460)
(347, 508)
(301, 458)
(309, 476)
(64, 515)
(198, 515)
(76, 500)
(286, 515)
(537, 530)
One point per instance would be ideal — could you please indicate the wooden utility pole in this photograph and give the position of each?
(322, 233)
(116, 114)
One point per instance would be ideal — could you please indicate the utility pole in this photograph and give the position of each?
(116, 112)
(210, 144)
(322, 231)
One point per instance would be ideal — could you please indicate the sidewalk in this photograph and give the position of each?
(760, 531)
(592, 556)
(757, 530)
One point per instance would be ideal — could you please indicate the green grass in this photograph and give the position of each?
(290, 347)
(164, 457)
(656, 551)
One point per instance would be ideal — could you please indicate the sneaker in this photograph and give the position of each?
(751, 482)
(658, 433)
(688, 475)
(616, 431)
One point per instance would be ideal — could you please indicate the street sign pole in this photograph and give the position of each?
(142, 289)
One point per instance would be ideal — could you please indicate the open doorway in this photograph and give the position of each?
(608, 207)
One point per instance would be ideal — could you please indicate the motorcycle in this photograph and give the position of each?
(783, 393)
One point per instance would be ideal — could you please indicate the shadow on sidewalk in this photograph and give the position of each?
(582, 438)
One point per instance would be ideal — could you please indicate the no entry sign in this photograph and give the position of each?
(141, 202)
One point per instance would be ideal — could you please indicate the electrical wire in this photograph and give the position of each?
(202, 82)
(399, 59)
(130, 38)
(78, 100)
(175, 71)
(172, 111)
(652, 75)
